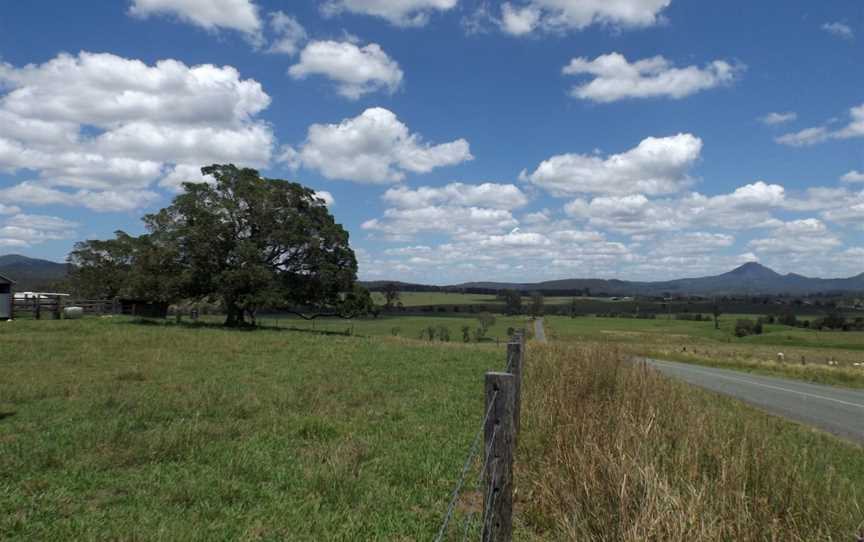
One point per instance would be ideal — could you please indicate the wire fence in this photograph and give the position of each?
(481, 502)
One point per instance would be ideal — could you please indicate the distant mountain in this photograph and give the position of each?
(31, 273)
(750, 278)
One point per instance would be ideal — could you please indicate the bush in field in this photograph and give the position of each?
(466, 334)
(428, 333)
(743, 328)
(395, 331)
(788, 319)
(443, 334)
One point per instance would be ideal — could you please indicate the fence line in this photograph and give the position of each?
(42, 304)
(500, 428)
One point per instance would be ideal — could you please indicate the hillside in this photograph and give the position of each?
(31, 273)
(750, 278)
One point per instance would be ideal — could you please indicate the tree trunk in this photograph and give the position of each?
(235, 314)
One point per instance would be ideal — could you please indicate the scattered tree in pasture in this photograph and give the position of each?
(249, 241)
(512, 301)
(391, 295)
(486, 320)
(466, 334)
(537, 304)
(574, 308)
(716, 312)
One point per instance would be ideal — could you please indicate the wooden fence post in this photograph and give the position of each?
(515, 350)
(37, 303)
(499, 440)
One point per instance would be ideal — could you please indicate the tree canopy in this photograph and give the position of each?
(249, 241)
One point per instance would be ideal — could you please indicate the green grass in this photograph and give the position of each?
(115, 430)
(408, 327)
(419, 299)
(700, 343)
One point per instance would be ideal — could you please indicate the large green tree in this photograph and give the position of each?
(126, 266)
(249, 241)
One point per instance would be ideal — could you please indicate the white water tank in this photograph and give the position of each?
(73, 313)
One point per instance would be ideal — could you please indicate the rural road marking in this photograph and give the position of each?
(834, 409)
(753, 383)
(539, 332)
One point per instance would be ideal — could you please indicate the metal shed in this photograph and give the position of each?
(6, 298)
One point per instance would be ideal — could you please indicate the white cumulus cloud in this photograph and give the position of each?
(853, 176)
(820, 134)
(24, 230)
(241, 15)
(655, 166)
(374, 147)
(529, 16)
(840, 30)
(355, 70)
(615, 78)
(397, 12)
(496, 196)
(778, 118)
(109, 127)
(290, 34)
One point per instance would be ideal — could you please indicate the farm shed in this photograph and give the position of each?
(6, 298)
(143, 308)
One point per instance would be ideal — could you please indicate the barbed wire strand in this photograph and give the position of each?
(490, 502)
(471, 453)
(480, 480)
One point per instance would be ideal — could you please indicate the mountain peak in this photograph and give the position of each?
(753, 270)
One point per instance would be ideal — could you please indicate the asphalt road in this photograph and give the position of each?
(836, 410)
(539, 332)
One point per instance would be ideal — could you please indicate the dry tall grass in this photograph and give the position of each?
(614, 451)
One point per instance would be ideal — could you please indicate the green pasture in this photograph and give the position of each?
(116, 430)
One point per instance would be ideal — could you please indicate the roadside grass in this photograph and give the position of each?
(114, 430)
(615, 451)
(700, 343)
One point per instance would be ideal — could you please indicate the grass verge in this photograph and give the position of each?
(615, 451)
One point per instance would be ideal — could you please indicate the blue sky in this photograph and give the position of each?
(457, 139)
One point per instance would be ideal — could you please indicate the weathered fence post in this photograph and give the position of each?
(37, 303)
(515, 350)
(498, 476)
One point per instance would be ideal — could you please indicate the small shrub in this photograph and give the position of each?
(743, 328)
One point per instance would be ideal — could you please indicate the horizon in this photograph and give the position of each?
(672, 279)
(525, 142)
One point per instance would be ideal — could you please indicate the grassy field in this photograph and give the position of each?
(699, 342)
(614, 451)
(409, 327)
(418, 299)
(113, 430)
